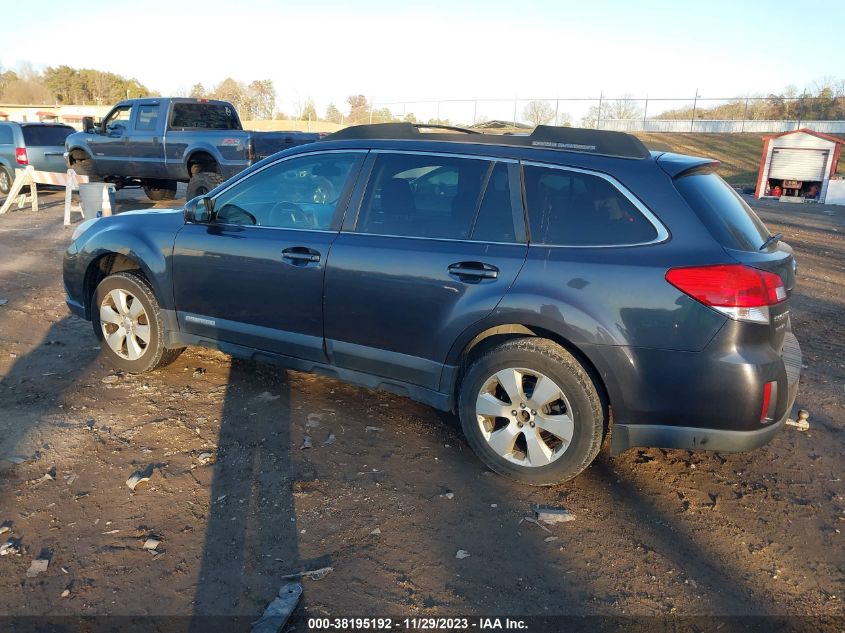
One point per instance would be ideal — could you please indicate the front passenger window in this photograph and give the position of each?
(300, 193)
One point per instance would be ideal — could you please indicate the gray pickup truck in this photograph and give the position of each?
(155, 143)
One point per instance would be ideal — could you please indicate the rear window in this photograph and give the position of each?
(569, 208)
(723, 211)
(45, 135)
(210, 116)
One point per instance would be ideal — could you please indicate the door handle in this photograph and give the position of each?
(300, 255)
(473, 271)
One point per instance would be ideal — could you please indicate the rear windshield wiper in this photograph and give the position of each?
(777, 237)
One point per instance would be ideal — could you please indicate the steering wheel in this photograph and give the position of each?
(287, 214)
(324, 192)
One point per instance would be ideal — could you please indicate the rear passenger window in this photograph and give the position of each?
(6, 135)
(495, 222)
(417, 195)
(147, 119)
(570, 208)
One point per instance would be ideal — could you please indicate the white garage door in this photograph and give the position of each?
(798, 164)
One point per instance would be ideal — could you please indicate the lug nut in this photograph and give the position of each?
(521, 405)
(513, 412)
(533, 412)
(532, 424)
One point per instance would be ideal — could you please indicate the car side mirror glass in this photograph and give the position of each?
(198, 210)
(88, 124)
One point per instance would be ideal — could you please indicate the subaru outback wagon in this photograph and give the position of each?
(554, 290)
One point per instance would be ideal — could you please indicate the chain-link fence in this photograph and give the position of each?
(741, 114)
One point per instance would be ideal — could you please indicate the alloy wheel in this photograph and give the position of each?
(125, 324)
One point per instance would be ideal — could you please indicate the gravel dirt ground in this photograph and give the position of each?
(389, 491)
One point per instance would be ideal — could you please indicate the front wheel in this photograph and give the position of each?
(531, 412)
(127, 321)
(158, 190)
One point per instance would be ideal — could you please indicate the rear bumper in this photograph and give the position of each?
(627, 436)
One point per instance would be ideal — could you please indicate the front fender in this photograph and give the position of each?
(150, 249)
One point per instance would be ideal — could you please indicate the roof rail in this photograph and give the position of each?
(569, 139)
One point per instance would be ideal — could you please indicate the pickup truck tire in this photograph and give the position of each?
(160, 190)
(203, 182)
(85, 167)
(127, 322)
(5, 181)
(531, 412)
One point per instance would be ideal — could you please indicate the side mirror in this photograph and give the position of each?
(198, 210)
(88, 124)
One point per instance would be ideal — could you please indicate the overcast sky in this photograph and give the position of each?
(395, 51)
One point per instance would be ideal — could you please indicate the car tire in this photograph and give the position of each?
(201, 183)
(85, 167)
(124, 312)
(550, 435)
(160, 190)
(6, 181)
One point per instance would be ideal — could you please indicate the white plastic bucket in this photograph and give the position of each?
(92, 196)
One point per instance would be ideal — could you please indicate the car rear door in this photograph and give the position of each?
(253, 276)
(435, 245)
(146, 140)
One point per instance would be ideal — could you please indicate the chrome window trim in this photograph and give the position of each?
(434, 239)
(273, 164)
(662, 231)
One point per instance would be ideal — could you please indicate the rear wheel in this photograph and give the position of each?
(203, 182)
(5, 181)
(160, 189)
(127, 321)
(531, 412)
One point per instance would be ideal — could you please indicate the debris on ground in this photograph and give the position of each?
(803, 421)
(71, 478)
(375, 532)
(462, 553)
(329, 440)
(10, 547)
(199, 372)
(279, 610)
(5, 527)
(266, 396)
(38, 566)
(65, 593)
(549, 539)
(306, 442)
(110, 532)
(17, 460)
(110, 379)
(3, 302)
(449, 495)
(314, 574)
(547, 514)
(313, 420)
(537, 523)
(151, 544)
(374, 429)
(50, 475)
(205, 458)
(139, 476)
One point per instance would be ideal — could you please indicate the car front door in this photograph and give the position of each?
(253, 275)
(436, 243)
(110, 148)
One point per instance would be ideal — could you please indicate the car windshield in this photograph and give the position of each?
(45, 135)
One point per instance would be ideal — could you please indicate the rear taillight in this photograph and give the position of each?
(739, 292)
(20, 156)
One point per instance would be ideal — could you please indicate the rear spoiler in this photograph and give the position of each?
(677, 165)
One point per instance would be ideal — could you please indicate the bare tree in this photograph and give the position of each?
(538, 113)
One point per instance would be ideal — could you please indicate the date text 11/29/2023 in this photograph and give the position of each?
(420, 624)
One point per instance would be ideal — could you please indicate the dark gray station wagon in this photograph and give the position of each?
(555, 290)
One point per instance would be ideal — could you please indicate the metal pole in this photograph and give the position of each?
(694, 105)
(645, 111)
(514, 111)
(801, 108)
(557, 110)
(438, 112)
(598, 118)
(474, 110)
(744, 116)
